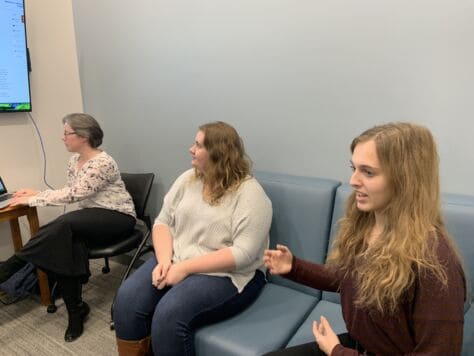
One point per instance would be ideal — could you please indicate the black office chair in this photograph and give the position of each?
(139, 186)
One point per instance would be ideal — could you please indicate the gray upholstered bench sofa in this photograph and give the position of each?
(305, 212)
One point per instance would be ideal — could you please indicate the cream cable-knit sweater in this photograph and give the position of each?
(240, 221)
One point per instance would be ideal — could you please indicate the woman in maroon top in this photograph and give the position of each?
(398, 271)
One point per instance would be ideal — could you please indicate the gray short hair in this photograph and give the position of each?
(85, 125)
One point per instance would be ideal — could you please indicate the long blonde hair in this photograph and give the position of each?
(229, 165)
(413, 220)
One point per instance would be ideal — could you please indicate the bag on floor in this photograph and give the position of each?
(21, 284)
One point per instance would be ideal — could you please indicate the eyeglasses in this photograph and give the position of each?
(69, 133)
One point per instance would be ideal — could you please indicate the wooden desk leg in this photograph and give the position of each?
(32, 216)
(43, 281)
(44, 287)
(16, 234)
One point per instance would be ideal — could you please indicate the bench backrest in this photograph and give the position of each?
(302, 210)
(342, 193)
(458, 213)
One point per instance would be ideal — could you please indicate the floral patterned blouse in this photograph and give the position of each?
(96, 185)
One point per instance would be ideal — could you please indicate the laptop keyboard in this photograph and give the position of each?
(6, 196)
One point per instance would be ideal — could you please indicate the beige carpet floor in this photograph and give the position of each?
(27, 329)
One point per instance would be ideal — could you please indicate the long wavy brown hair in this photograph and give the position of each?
(229, 165)
(407, 246)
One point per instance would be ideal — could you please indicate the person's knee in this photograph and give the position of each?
(135, 292)
(67, 218)
(172, 316)
(61, 224)
(124, 301)
(169, 312)
(171, 329)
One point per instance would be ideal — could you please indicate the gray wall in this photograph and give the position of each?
(298, 79)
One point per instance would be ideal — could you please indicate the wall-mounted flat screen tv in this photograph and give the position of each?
(14, 62)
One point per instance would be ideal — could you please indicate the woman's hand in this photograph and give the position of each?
(176, 274)
(325, 337)
(278, 261)
(19, 201)
(158, 276)
(25, 192)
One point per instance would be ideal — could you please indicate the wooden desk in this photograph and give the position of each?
(12, 214)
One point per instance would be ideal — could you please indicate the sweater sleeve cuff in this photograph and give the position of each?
(340, 350)
(33, 201)
(293, 269)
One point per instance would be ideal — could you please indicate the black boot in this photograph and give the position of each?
(10, 267)
(75, 325)
(77, 310)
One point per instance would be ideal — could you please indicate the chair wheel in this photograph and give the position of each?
(105, 270)
(51, 308)
(112, 326)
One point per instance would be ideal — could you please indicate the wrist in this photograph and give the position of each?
(163, 260)
(185, 267)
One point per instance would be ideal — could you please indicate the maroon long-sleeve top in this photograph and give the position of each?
(429, 320)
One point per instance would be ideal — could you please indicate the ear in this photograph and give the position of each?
(84, 140)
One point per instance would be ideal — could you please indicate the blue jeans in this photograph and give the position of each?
(171, 315)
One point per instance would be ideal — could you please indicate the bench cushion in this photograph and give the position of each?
(264, 326)
(332, 312)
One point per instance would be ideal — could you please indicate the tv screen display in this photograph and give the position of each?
(14, 66)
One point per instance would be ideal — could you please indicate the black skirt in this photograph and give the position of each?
(61, 246)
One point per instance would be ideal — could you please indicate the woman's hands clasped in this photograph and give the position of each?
(278, 261)
(168, 274)
(159, 273)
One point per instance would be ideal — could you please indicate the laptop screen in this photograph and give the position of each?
(3, 189)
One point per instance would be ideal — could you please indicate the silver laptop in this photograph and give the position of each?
(5, 197)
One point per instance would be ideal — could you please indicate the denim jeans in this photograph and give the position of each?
(171, 315)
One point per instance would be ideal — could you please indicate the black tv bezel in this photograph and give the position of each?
(28, 69)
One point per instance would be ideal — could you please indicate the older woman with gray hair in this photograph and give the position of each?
(106, 214)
